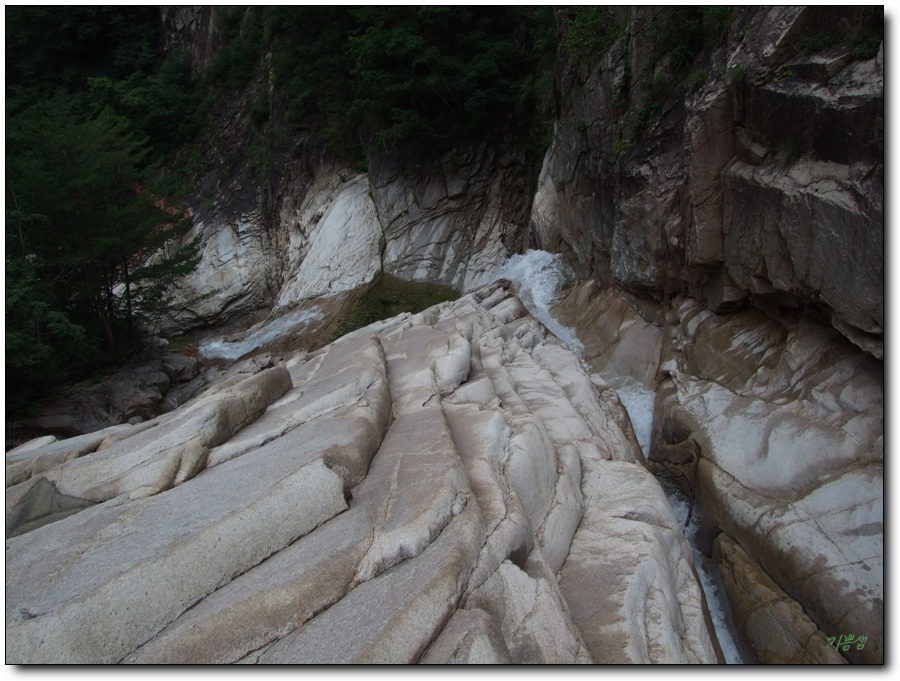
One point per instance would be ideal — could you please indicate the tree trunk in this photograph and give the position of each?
(128, 308)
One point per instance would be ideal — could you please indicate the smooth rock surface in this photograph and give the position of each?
(760, 176)
(775, 625)
(779, 421)
(407, 493)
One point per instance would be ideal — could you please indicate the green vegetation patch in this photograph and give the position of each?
(382, 75)
(589, 29)
(387, 296)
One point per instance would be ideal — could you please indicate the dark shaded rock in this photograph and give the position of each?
(131, 393)
(763, 184)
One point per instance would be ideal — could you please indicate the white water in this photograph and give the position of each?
(539, 276)
(277, 329)
(709, 580)
(639, 402)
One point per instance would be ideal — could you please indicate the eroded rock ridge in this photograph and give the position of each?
(445, 487)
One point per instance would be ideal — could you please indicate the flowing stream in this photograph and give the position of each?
(638, 402)
(539, 276)
(277, 329)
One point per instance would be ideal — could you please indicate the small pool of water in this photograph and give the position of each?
(387, 296)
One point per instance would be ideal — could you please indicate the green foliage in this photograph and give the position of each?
(867, 34)
(683, 32)
(643, 117)
(383, 75)
(52, 47)
(621, 145)
(259, 112)
(438, 73)
(81, 226)
(236, 62)
(791, 150)
(43, 346)
(414, 77)
(91, 108)
(866, 48)
(737, 75)
(110, 56)
(678, 34)
(697, 79)
(163, 105)
(817, 42)
(784, 74)
(716, 23)
(588, 29)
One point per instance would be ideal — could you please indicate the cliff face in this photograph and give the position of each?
(734, 243)
(261, 197)
(759, 181)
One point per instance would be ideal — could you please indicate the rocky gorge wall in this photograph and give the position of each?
(734, 257)
(728, 273)
(270, 224)
(759, 179)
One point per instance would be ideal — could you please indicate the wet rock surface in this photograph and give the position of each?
(777, 628)
(454, 485)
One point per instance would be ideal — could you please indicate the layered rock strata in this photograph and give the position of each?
(445, 487)
(452, 221)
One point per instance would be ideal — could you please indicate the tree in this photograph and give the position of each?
(84, 232)
(441, 76)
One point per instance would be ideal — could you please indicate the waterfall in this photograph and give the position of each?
(539, 276)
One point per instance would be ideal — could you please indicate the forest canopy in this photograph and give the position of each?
(85, 224)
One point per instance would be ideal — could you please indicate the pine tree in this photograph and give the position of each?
(90, 246)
